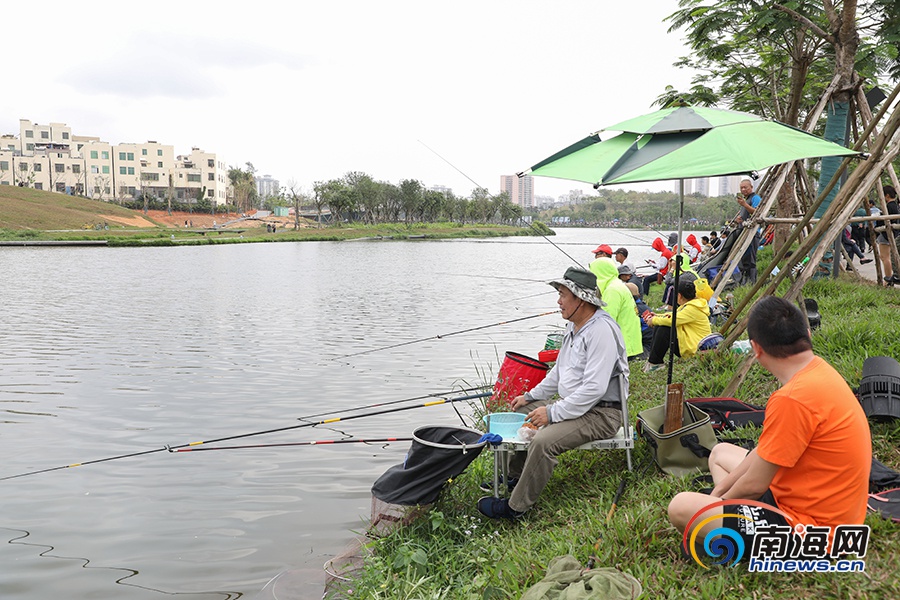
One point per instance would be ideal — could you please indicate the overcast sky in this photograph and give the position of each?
(307, 91)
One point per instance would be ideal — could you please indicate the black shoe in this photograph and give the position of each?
(865, 261)
(488, 486)
(891, 280)
(497, 508)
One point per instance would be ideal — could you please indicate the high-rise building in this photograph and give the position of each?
(267, 186)
(729, 185)
(520, 189)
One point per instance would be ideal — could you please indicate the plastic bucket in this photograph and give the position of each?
(554, 341)
(518, 374)
(506, 425)
(548, 356)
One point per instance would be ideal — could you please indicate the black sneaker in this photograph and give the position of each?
(488, 486)
(497, 508)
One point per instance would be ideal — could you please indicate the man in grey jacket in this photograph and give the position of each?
(585, 377)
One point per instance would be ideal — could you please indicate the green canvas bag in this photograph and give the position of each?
(681, 452)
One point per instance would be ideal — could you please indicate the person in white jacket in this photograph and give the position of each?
(585, 376)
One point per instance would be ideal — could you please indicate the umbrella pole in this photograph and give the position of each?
(675, 392)
(672, 339)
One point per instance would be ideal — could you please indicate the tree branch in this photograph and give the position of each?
(806, 22)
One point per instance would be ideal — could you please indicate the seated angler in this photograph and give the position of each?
(814, 454)
(691, 326)
(585, 376)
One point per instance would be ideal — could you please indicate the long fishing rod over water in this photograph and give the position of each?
(168, 448)
(378, 441)
(443, 335)
(484, 188)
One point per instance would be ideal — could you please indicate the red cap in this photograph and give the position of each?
(604, 248)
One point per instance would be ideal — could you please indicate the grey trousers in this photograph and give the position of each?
(535, 467)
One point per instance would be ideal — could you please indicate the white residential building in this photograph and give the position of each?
(49, 157)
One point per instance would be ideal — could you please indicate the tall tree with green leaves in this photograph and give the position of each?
(776, 58)
(243, 183)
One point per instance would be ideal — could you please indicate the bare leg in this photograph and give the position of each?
(723, 459)
(884, 251)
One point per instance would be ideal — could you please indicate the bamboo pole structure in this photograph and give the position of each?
(794, 235)
(866, 115)
(857, 186)
(746, 237)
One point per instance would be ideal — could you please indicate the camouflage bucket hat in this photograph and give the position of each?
(581, 283)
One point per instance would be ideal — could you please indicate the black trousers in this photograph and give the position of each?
(659, 345)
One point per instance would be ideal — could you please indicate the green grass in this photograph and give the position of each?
(28, 214)
(455, 553)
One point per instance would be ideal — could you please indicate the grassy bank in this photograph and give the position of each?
(27, 214)
(453, 552)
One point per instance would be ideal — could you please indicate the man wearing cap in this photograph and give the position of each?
(628, 275)
(603, 250)
(591, 358)
(621, 257)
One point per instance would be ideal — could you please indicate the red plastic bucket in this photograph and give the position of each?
(518, 374)
(548, 356)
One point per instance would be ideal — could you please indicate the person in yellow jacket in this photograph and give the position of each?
(619, 304)
(691, 326)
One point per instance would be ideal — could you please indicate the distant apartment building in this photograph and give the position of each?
(520, 189)
(442, 189)
(50, 157)
(267, 186)
(729, 185)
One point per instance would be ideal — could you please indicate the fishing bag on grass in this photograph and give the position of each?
(683, 451)
(886, 504)
(729, 413)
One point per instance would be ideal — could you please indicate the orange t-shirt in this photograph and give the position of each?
(817, 432)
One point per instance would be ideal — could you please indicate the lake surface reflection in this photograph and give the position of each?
(105, 352)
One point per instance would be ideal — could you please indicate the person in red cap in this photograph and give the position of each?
(603, 250)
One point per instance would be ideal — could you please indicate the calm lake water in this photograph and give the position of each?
(105, 352)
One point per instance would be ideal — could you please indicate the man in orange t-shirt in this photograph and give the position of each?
(815, 450)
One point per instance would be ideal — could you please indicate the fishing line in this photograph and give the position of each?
(168, 448)
(444, 335)
(86, 564)
(530, 224)
(383, 442)
(494, 277)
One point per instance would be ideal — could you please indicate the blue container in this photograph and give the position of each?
(506, 425)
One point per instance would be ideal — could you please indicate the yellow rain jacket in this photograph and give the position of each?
(692, 324)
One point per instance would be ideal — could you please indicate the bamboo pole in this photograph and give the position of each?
(880, 143)
(869, 176)
(747, 236)
(866, 113)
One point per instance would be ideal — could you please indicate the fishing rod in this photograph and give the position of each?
(168, 448)
(440, 336)
(315, 443)
(484, 188)
(378, 404)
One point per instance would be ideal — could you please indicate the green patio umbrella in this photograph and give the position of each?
(684, 142)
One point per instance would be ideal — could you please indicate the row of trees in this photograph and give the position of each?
(632, 208)
(358, 197)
